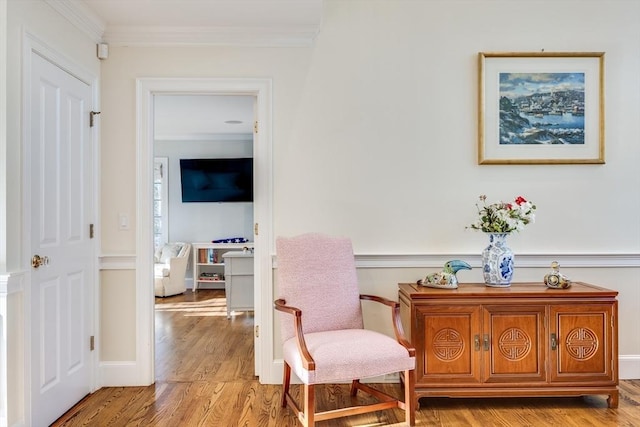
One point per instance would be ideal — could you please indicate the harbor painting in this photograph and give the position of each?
(541, 108)
(544, 108)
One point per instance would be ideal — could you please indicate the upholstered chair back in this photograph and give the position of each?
(317, 274)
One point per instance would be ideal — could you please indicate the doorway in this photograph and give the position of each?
(204, 191)
(263, 242)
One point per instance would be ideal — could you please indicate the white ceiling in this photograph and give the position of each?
(202, 117)
(176, 22)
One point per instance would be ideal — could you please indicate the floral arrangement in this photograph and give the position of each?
(504, 217)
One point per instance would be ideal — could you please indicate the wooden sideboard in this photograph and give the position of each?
(524, 340)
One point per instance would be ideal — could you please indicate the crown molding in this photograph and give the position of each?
(292, 36)
(81, 16)
(85, 19)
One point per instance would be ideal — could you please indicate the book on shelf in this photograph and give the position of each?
(208, 256)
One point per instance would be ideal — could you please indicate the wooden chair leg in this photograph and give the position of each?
(354, 387)
(409, 397)
(309, 405)
(286, 382)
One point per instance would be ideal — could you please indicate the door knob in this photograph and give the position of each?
(37, 261)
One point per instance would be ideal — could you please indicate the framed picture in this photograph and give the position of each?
(541, 108)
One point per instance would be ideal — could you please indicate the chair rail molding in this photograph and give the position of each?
(117, 262)
(567, 260)
(521, 260)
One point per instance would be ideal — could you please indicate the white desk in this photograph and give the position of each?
(238, 284)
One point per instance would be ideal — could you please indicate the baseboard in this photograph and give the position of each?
(120, 374)
(209, 286)
(629, 367)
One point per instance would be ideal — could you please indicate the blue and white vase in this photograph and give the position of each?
(497, 261)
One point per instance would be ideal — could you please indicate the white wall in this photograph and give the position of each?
(204, 222)
(389, 114)
(375, 137)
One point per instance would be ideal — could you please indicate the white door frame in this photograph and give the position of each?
(33, 45)
(263, 190)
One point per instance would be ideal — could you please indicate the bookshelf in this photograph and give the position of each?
(208, 263)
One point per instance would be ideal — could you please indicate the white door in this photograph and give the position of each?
(61, 211)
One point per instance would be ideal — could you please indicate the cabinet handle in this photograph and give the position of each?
(554, 342)
(476, 342)
(486, 342)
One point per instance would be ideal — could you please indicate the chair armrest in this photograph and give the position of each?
(395, 318)
(307, 360)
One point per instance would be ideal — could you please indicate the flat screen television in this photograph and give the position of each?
(217, 180)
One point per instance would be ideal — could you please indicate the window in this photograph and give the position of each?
(160, 201)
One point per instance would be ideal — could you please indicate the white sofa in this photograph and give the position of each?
(171, 261)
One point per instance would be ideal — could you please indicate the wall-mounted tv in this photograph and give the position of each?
(217, 180)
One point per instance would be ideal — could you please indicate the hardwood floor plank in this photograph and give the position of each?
(204, 377)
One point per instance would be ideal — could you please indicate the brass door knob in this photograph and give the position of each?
(37, 261)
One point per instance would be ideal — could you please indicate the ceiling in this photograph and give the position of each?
(196, 22)
(203, 117)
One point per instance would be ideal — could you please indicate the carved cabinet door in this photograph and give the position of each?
(582, 342)
(514, 343)
(450, 344)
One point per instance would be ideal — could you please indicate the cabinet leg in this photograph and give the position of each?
(612, 400)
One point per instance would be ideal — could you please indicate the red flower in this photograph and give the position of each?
(520, 200)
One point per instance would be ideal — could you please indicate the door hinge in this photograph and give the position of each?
(91, 231)
(257, 331)
(91, 114)
(255, 229)
(92, 343)
(255, 127)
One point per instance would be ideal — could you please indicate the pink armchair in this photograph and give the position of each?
(323, 336)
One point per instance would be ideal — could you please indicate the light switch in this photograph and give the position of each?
(123, 221)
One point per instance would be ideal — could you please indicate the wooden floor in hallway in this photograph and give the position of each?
(204, 377)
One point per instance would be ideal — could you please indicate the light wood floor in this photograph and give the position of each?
(204, 377)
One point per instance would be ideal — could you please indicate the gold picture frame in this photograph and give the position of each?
(540, 108)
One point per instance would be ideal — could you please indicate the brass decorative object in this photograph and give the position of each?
(555, 279)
